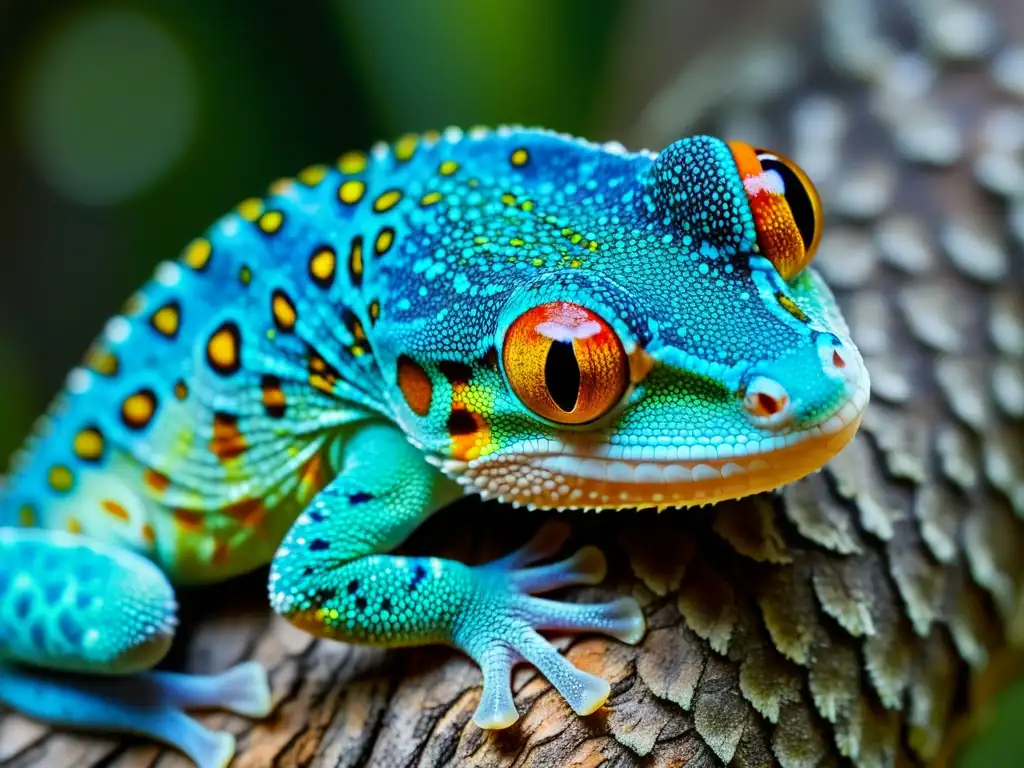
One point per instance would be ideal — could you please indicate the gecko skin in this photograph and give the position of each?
(516, 314)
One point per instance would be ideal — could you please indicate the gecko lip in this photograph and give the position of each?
(603, 476)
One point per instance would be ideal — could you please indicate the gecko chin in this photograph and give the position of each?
(577, 471)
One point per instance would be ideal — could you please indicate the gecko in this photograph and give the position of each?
(515, 313)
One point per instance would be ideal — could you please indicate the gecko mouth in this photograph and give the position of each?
(592, 478)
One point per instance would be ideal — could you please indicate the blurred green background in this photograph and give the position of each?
(127, 127)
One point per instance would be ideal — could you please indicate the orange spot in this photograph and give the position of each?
(221, 553)
(157, 481)
(189, 520)
(311, 478)
(469, 433)
(115, 510)
(415, 385)
(228, 442)
(249, 513)
(148, 534)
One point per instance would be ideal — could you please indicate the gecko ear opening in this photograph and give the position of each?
(785, 205)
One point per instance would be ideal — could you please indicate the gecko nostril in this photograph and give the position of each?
(766, 401)
(837, 359)
(768, 404)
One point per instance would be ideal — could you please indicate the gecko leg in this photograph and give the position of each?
(332, 578)
(81, 622)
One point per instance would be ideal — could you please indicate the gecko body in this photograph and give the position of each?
(513, 313)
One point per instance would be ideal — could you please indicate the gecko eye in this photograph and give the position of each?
(565, 363)
(785, 204)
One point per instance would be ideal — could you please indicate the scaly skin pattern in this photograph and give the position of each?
(516, 313)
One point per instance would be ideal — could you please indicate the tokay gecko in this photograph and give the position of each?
(516, 313)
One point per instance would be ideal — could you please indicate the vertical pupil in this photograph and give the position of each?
(562, 374)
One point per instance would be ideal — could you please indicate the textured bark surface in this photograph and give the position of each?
(856, 616)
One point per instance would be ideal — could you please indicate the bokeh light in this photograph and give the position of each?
(109, 106)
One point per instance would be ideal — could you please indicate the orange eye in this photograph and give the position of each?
(787, 211)
(565, 363)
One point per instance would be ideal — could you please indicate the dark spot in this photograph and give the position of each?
(307, 571)
(361, 603)
(316, 516)
(353, 586)
(418, 575)
(360, 497)
(461, 422)
(490, 359)
(318, 545)
(562, 375)
(455, 372)
(385, 604)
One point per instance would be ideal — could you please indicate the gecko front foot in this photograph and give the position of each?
(500, 626)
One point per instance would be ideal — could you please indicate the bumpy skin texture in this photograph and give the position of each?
(302, 384)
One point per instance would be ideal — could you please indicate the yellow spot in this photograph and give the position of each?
(791, 306)
(312, 175)
(430, 198)
(481, 240)
(527, 205)
(575, 263)
(102, 362)
(448, 167)
(271, 221)
(250, 209)
(517, 241)
(351, 192)
(593, 246)
(520, 157)
(576, 238)
(197, 253)
(180, 390)
(508, 199)
(167, 320)
(352, 162)
(387, 201)
(222, 348)
(61, 479)
(245, 275)
(138, 409)
(322, 264)
(355, 260)
(384, 241)
(405, 147)
(74, 526)
(374, 310)
(89, 444)
(27, 516)
(334, 614)
(538, 262)
(285, 315)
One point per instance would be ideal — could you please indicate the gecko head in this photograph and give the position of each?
(692, 356)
